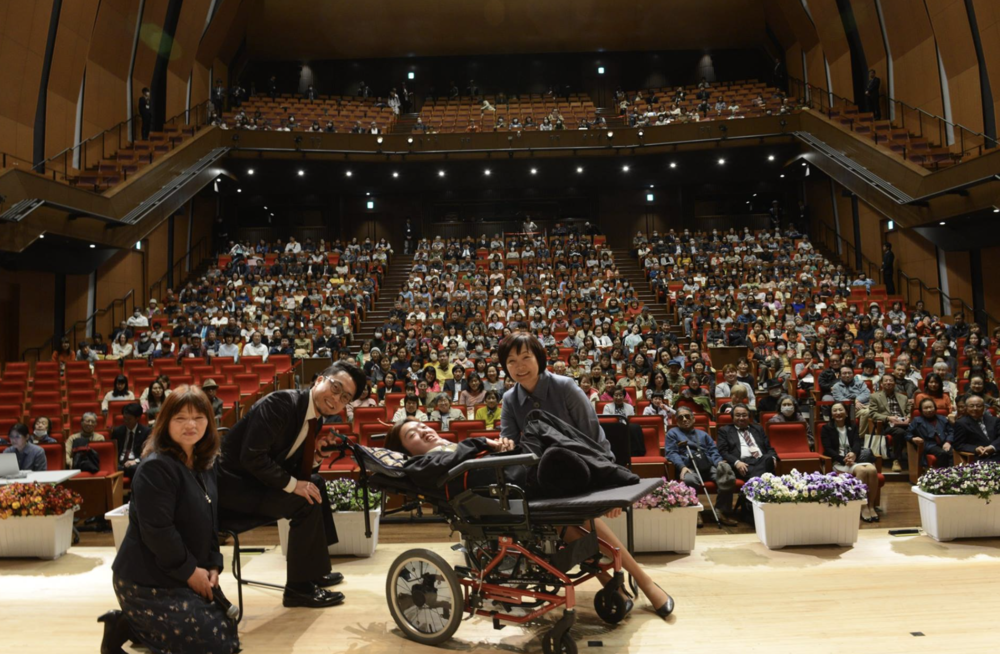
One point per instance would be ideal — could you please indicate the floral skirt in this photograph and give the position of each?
(175, 620)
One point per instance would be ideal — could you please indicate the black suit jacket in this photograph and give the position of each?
(119, 435)
(888, 261)
(728, 442)
(255, 451)
(968, 435)
(831, 441)
(873, 85)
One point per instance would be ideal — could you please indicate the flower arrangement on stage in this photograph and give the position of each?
(17, 500)
(671, 495)
(981, 479)
(814, 487)
(346, 495)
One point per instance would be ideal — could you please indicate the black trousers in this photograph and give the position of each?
(311, 531)
(944, 459)
(756, 467)
(898, 443)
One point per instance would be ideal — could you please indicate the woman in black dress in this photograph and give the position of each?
(166, 574)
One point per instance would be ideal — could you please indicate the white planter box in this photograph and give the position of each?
(946, 517)
(655, 530)
(119, 523)
(44, 537)
(807, 523)
(350, 533)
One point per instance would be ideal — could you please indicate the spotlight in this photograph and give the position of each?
(302, 173)
(534, 171)
(272, 215)
(651, 186)
(410, 140)
(770, 157)
(673, 165)
(249, 171)
(611, 134)
(804, 163)
(41, 236)
(781, 176)
(368, 193)
(379, 140)
(440, 173)
(92, 246)
(579, 169)
(487, 172)
(625, 169)
(349, 173)
(395, 175)
(239, 190)
(722, 162)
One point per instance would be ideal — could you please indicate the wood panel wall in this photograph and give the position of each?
(833, 40)
(958, 53)
(988, 21)
(24, 28)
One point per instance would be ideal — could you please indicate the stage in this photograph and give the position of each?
(887, 594)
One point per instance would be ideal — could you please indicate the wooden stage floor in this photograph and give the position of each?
(887, 594)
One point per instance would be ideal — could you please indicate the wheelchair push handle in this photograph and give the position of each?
(489, 462)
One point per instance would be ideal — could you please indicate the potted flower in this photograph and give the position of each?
(36, 520)
(806, 508)
(666, 520)
(348, 505)
(955, 502)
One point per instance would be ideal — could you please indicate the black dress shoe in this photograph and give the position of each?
(116, 632)
(667, 608)
(317, 599)
(330, 579)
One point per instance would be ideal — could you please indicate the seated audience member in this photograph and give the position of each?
(934, 389)
(444, 412)
(707, 461)
(121, 348)
(430, 456)
(842, 445)
(490, 414)
(255, 348)
(618, 407)
(769, 403)
(30, 457)
(41, 434)
(657, 407)
(788, 411)
(211, 391)
(976, 432)
(119, 392)
(725, 388)
(934, 432)
(745, 446)
(473, 394)
(892, 409)
(84, 437)
(695, 395)
(366, 400)
(409, 410)
(155, 396)
(738, 395)
(130, 438)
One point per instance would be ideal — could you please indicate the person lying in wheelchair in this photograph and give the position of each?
(561, 471)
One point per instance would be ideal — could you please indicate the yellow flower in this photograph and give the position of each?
(15, 505)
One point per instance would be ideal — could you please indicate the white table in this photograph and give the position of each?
(43, 477)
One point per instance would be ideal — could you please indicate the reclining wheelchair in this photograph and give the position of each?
(518, 567)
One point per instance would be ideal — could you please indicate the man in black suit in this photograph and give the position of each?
(745, 446)
(458, 383)
(130, 437)
(266, 469)
(888, 264)
(871, 94)
(976, 431)
(145, 113)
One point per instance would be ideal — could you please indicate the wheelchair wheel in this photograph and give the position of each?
(564, 645)
(424, 596)
(610, 606)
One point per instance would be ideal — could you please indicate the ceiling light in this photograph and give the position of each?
(249, 171)
(487, 172)
(579, 169)
(941, 223)
(394, 175)
(754, 195)
(673, 165)
(534, 171)
(440, 173)
(625, 169)
(651, 186)
(770, 157)
(41, 236)
(348, 173)
(239, 190)
(782, 176)
(272, 215)
(302, 173)
(265, 208)
(996, 210)
(368, 193)
(722, 162)
(92, 246)
(804, 163)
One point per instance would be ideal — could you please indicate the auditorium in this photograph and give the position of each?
(499, 326)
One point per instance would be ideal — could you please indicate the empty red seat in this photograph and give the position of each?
(55, 457)
(229, 394)
(462, 428)
(248, 383)
(282, 362)
(789, 440)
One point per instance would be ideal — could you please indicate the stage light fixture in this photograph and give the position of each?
(534, 171)
(440, 173)
(239, 190)
(410, 75)
(673, 165)
(781, 176)
(371, 204)
(487, 172)
(722, 162)
(649, 197)
(941, 223)
(302, 173)
(249, 171)
(349, 174)
(579, 169)
(600, 70)
(625, 169)
(770, 157)
(395, 175)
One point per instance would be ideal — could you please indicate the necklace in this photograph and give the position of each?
(201, 482)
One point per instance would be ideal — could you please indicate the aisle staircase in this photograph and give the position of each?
(398, 272)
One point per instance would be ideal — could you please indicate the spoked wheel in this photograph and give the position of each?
(610, 605)
(564, 645)
(425, 597)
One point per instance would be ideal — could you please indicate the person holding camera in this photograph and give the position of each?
(692, 451)
(166, 573)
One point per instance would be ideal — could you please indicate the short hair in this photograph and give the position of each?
(393, 438)
(88, 413)
(741, 407)
(493, 394)
(20, 428)
(516, 343)
(728, 368)
(357, 375)
(133, 409)
(160, 441)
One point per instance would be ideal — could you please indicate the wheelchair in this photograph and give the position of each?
(517, 565)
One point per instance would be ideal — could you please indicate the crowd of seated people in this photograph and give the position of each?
(704, 101)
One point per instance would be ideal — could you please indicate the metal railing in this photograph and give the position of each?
(106, 144)
(191, 259)
(847, 252)
(124, 305)
(918, 122)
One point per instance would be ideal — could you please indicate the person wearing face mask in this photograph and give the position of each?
(788, 412)
(41, 434)
(769, 403)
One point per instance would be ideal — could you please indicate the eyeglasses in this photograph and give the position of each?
(338, 390)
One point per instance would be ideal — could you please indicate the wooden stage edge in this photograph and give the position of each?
(886, 594)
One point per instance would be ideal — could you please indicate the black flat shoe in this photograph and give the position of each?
(330, 579)
(317, 599)
(668, 606)
(116, 632)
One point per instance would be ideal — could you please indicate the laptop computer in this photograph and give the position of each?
(9, 468)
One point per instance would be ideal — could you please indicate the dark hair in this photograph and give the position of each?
(357, 375)
(517, 343)
(114, 389)
(20, 428)
(496, 396)
(931, 377)
(927, 399)
(393, 438)
(133, 409)
(160, 440)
